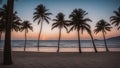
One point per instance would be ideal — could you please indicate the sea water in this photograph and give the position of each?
(65, 45)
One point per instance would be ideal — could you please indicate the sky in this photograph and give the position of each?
(97, 10)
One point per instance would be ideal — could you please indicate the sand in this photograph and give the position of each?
(63, 60)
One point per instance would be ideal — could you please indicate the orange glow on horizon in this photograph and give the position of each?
(53, 35)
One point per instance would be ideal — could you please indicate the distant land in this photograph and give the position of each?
(114, 38)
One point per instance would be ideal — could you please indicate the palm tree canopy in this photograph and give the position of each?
(26, 25)
(116, 19)
(41, 14)
(15, 25)
(103, 26)
(60, 21)
(78, 20)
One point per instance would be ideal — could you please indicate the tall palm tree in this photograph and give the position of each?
(61, 23)
(103, 26)
(41, 14)
(116, 19)
(79, 22)
(26, 25)
(7, 59)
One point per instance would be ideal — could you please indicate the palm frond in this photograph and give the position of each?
(54, 26)
(115, 20)
(71, 29)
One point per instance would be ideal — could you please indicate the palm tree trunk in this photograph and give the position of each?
(25, 39)
(59, 40)
(40, 34)
(79, 43)
(93, 42)
(7, 59)
(105, 41)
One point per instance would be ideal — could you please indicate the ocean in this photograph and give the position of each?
(51, 44)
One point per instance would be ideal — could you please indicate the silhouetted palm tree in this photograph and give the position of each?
(7, 59)
(61, 23)
(79, 22)
(116, 19)
(26, 25)
(41, 14)
(103, 26)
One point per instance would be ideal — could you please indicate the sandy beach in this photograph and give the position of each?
(63, 60)
(54, 49)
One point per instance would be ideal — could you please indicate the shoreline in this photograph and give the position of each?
(53, 49)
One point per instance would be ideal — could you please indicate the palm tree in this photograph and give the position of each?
(41, 14)
(7, 58)
(103, 26)
(79, 22)
(116, 19)
(61, 23)
(26, 25)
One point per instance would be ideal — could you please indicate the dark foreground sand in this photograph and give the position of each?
(63, 60)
